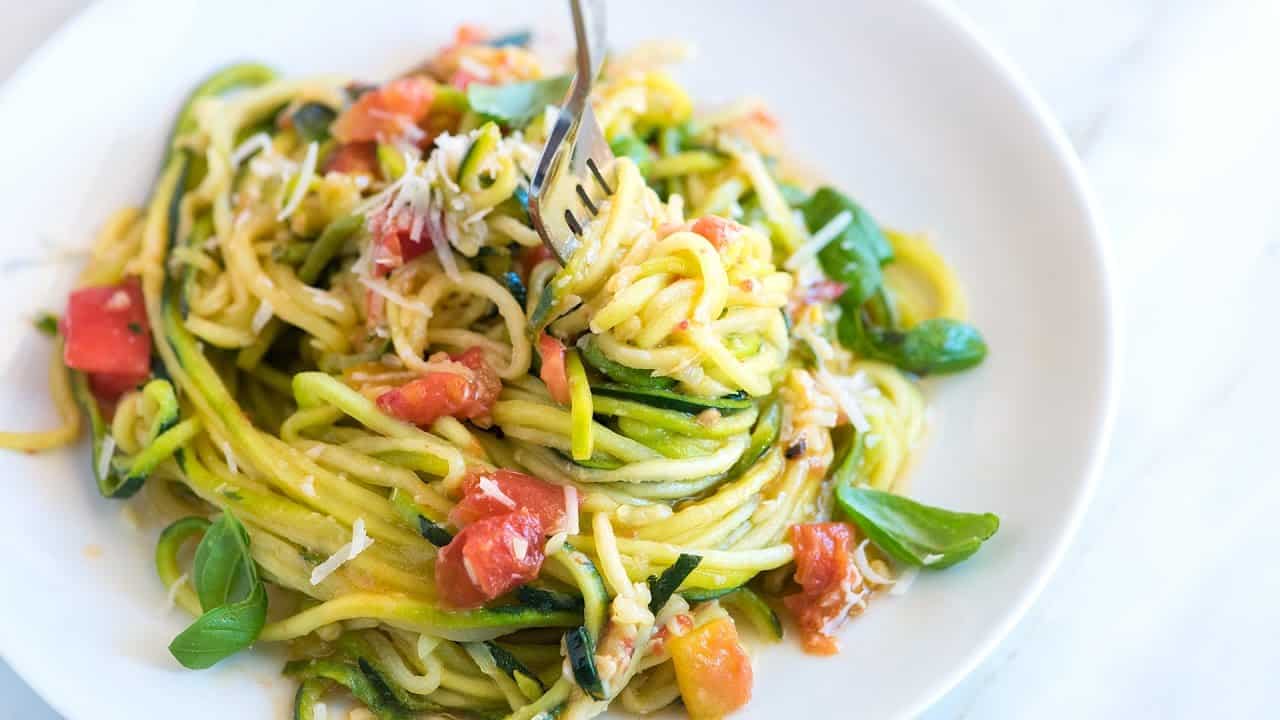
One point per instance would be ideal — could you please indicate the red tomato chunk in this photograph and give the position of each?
(553, 371)
(489, 558)
(830, 584)
(717, 230)
(503, 491)
(108, 337)
(442, 393)
(389, 113)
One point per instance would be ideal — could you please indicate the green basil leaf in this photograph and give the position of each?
(914, 533)
(221, 632)
(219, 561)
(223, 567)
(846, 461)
(935, 346)
(855, 256)
(634, 148)
(517, 103)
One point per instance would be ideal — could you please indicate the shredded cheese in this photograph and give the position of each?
(519, 547)
(104, 456)
(825, 234)
(345, 554)
(315, 451)
(173, 591)
(864, 565)
(381, 288)
(253, 143)
(903, 583)
(230, 458)
(489, 488)
(305, 176)
(262, 316)
(844, 399)
(571, 526)
(119, 300)
(308, 486)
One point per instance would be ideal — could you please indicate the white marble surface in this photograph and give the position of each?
(1166, 604)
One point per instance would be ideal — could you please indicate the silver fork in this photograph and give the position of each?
(569, 184)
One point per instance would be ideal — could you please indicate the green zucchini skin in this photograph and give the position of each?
(669, 400)
(581, 649)
(696, 595)
(763, 436)
(525, 679)
(747, 603)
(618, 372)
(662, 587)
(547, 600)
(485, 142)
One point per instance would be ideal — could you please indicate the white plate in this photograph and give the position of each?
(897, 101)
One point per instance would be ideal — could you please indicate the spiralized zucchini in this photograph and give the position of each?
(279, 320)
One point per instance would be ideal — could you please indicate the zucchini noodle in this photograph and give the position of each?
(297, 296)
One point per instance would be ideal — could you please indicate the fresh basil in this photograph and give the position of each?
(937, 345)
(913, 533)
(517, 103)
(634, 148)
(847, 448)
(855, 256)
(223, 569)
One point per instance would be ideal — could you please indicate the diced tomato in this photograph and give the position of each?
(676, 626)
(468, 34)
(824, 291)
(532, 257)
(443, 393)
(828, 580)
(553, 373)
(461, 79)
(355, 158)
(712, 670)
(488, 558)
(108, 337)
(393, 241)
(388, 113)
(717, 230)
(108, 387)
(502, 491)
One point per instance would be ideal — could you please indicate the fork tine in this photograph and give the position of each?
(595, 171)
(573, 222)
(586, 200)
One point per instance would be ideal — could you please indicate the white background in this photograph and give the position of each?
(1166, 605)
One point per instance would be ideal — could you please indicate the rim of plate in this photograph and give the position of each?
(996, 61)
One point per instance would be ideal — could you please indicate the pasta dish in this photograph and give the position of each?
(379, 422)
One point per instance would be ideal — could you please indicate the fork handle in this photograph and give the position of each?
(588, 30)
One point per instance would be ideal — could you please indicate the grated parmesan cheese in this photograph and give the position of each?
(844, 399)
(381, 288)
(903, 583)
(315, 451)
(104, 456)
(173, 591)
(519, 547)
(345, 554)
(571, 526)
(555, 543)
(254, 143)
(824, 235)
(262, 316)
(489, 488)
(230, 458)
(308, 486)
(119, 300)
(319, 711)
(305, 175)
(864, 566)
